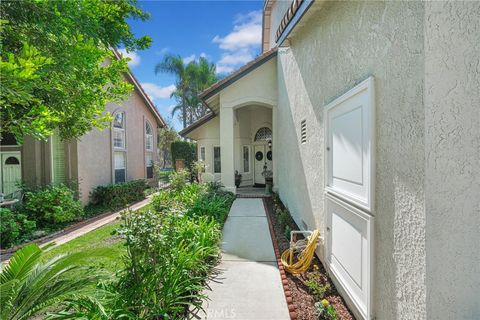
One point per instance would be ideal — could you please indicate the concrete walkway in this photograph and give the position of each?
(249, 286)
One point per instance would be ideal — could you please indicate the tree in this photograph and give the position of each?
(29, 285)
(191, 80)
(166, 136)
(58, 69)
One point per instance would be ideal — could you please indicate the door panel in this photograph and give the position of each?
(259, 157)
(11, 171)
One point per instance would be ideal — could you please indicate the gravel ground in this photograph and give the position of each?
(303, 300)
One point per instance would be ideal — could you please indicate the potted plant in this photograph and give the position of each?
(238, 179)
(268, 175)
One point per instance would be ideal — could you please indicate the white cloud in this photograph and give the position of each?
(247, 32)
(242, 43)
(162, 51)
(134, 57)
(156, 92)
(240, 57)
(189, 59)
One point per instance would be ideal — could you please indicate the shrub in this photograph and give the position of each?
(184, 150)
(178, 179)
(287, 232)
(14, 227)
(325, 310)
(119, 195)
(52, 204)
(168, 260)
(29, 284)
(284, 218)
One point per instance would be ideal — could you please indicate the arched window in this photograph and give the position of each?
(263, 134)
(148, 137)
(12, 160)
(119, 146)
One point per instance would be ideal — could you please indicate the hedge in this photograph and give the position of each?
(119, 195)
(184, 150)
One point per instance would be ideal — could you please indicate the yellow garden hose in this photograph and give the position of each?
(305, 257)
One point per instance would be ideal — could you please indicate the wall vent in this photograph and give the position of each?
(303, 131)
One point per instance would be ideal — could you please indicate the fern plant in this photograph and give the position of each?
(29, 285)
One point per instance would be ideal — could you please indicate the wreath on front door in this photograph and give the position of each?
(259, 155)
(269, 155)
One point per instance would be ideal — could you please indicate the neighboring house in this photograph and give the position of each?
(372, 113)
(125, 151)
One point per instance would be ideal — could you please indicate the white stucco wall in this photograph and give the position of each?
(279, 8)
(452, 151)
(344, 43)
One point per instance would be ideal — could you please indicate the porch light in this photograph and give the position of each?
(270, 144)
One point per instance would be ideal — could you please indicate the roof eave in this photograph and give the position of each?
(200, 122)
(142, 93)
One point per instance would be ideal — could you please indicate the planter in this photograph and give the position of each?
(268, 185)
(237, 182)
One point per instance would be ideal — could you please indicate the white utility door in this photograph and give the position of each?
(11, 171)
(262, 156)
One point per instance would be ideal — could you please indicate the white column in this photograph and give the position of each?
(227, 148)
(275, 145)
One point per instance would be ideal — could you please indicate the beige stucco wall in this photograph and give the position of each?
(452, 151)
(208, 136)
(95, 153)
(341, 45)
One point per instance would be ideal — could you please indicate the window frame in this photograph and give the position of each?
(202, 155)
(220, 159)
(147, 166)
(148, 136)
(243, 158)
(124, 168)
(123, 131)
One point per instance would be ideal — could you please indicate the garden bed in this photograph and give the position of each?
(303, 297)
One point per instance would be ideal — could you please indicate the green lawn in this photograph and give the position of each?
(102, 249)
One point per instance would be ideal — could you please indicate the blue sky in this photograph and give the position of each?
(228, 33)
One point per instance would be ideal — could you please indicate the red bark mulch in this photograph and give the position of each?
(303, 299)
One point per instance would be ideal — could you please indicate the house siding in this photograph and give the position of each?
(95, 153)
(452, 154)
(343, 45)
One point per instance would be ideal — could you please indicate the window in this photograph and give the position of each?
(217, 163)
(263, 134)
(303, 131)
(202, 153)
(246, 159)
(120, 166)
(149, 164)
(148, 137)
(119, 131)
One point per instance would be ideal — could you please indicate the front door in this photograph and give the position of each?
(262, 156)
(11, 172)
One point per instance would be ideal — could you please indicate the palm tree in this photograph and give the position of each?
(173, 64)
(28, 285)
(191, 80)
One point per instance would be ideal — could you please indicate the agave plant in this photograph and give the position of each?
(29, 285)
